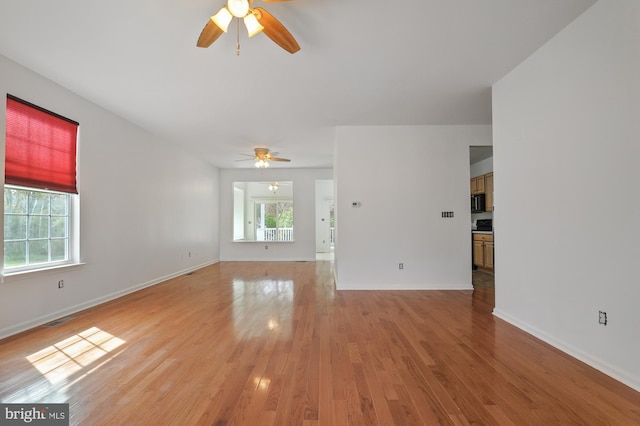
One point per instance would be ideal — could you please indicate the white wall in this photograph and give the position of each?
(144, 207)
(404, 177)
(566, 132)
(303, 248)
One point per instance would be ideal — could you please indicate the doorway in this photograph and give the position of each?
(325, 220)
(482, 225)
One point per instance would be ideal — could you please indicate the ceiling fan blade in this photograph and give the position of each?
(276, 31)
(279, 159)
(209, 34)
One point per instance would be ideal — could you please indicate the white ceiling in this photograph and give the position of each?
(361, 63)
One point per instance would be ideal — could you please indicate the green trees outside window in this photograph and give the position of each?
(36, 227)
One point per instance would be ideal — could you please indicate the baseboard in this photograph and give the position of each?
(36, 322)
(387, 287)
(600, 365)
(261, 259)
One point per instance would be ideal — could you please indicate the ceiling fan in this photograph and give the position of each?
(262, 157)
(273, 186)
(255, 19)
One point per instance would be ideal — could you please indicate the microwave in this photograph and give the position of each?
(477, 203)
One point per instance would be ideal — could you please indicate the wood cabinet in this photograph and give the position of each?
(483, 251)
(483, 185)
(488, 254)
(478, 252)
(488, 187)
(477, 185)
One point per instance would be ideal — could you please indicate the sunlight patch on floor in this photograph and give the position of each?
(60, 360)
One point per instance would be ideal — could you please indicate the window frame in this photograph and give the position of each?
(72, 232)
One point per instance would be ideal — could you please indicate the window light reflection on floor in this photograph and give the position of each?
(60, 360)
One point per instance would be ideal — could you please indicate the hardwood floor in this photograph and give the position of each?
(275, 344)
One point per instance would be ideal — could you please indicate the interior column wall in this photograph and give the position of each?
(566, 149)
(393, 183)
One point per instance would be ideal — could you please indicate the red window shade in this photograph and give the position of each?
(40, 149)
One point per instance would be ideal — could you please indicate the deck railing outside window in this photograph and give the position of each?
(275, 234)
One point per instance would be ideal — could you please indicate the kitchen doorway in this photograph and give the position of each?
(482, 225)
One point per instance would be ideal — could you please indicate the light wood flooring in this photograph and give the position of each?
(253, 343)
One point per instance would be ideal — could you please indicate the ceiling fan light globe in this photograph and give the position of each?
(238, 8)
(252, 24)
(222, 19)
(261, 163)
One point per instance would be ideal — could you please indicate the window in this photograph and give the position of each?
(263, 211)
(274, 221)
(40, 187)
(36, 227)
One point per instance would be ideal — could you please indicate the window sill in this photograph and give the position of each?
(20, 275)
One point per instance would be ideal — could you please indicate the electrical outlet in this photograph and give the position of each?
(602, 317)
(61, 284)
(400, 265)
(266, 247)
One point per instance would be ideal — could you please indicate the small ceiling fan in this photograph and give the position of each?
(262, 157)
(255, 19)
(273, 186)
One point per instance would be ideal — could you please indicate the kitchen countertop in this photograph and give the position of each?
(473, 231)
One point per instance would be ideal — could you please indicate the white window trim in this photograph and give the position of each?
(13, 276)
(74, 244)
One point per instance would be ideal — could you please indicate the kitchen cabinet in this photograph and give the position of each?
(483, 251)
(483, 185)
(477, 185)
(478, 253)
(488, 254)
(488, 187)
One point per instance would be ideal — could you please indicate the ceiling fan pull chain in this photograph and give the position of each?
(238, 38)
